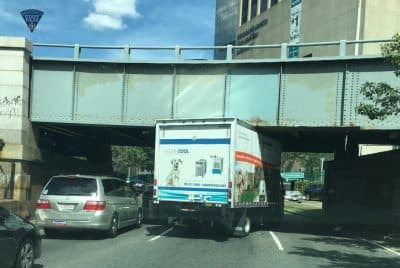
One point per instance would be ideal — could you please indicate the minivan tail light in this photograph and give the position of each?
(94, 205)
(43, 204)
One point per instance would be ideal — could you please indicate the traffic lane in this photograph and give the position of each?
(179, 247)
(88, 249)
(308, 243)
(204, 247)
(305, 244)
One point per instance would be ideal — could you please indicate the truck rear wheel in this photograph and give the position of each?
(243, 228)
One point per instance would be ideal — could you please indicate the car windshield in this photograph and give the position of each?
(71, 186)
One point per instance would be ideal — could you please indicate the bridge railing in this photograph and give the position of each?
(177, 53)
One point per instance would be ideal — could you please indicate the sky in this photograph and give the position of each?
(113, 22)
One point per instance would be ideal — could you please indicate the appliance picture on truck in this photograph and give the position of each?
(219, 171)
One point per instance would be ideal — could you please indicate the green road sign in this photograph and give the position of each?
(292, 175)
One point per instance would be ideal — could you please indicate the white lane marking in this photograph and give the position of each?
(163, 233)
(277, 242)
(383, 247)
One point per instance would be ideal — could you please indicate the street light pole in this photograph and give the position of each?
(322, 169)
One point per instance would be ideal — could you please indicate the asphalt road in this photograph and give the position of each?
(299, 242)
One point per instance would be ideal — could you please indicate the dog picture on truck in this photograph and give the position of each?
(220, 171)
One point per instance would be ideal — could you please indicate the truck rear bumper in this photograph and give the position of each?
(192, 210)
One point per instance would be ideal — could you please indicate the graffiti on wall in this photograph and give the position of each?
(10, 106)
(5, 180)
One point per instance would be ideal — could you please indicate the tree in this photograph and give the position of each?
(124, 157)
(382, 99)
(309, 162)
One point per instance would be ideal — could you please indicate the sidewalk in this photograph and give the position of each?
(387, 239)
(305, 209)
(379, 236)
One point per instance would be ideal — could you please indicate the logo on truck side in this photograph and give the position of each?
(177, 151)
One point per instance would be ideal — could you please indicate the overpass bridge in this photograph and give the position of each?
(284, 92)
(309, 103)
(58, 114)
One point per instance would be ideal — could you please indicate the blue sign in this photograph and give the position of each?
(32, 17)
(292, 175)
(295, 2)
(293, 52)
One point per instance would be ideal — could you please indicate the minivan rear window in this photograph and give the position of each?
(71, 186)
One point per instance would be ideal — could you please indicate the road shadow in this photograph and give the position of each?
(340, 259)
(83, 234)
(346, 242)
(204, 232)
(37, 266)
(294, 223)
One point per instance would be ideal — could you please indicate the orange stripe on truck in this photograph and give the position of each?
(252, 159)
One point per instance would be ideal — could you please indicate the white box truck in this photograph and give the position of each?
(219, 171)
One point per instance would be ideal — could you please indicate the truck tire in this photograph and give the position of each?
(243, 228)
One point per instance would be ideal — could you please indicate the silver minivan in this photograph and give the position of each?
(70, 202)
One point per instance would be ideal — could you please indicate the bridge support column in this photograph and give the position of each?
(20, 148)
(100, 158)
(347, 148)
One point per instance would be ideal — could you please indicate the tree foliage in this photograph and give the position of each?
(124, 157)
(382, 100)
(309, 163)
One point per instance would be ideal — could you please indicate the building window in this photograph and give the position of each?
(264, 5)
(253, 8)
(274, 2)
(245, 10)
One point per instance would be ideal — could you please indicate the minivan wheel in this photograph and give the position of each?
(113, 231)
(139, 219)
(25, 257)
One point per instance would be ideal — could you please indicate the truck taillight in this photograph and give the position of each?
(230, 190)
(43, 204)
(94, 205)
(155, 182)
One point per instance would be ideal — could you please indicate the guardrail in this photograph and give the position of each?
(231, 50)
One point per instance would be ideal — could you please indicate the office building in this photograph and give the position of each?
(226, 24)
(261, 22)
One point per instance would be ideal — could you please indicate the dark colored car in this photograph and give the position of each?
(20, 241)
(150, 210)
(314, 192)
(139, 183)
(143, 185)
